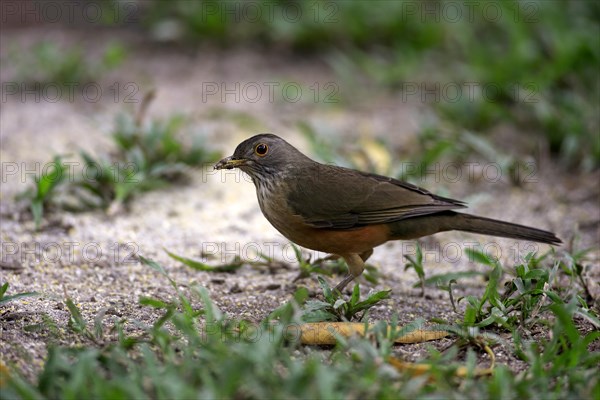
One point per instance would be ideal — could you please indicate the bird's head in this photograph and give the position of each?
(262, 156)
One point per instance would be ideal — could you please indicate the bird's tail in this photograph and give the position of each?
(494, 227)
(415, 227)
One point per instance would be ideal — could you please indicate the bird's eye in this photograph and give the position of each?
(261, 149)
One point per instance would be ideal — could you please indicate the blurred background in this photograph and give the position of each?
(434, 92)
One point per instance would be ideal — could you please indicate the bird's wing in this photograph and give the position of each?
(339, 198)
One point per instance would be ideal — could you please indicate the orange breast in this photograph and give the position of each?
(357, 240)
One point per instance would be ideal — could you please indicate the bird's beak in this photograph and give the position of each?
(229, 163)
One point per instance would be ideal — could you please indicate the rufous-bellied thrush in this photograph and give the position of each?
(346, 212)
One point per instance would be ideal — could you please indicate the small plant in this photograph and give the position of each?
(41, 195)
(475, 314)
(113, 184)
(417, 264)
(526, 297)
(5, 299)
(308, 267)
(574, 267)
(147, 157)
(336, 308)
(200, 266)
(158, 144)
(78, 324)
(445, 281)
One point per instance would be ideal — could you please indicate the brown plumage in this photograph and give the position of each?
(347, 212)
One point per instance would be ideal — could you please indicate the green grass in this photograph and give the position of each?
(193, 350)
(197, 265)
(4, 299)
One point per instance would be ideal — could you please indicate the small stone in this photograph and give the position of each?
(272, 286)
(235, 289)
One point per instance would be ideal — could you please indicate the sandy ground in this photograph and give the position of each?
(92, 257)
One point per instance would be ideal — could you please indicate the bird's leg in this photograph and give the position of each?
(356, 265)
(347, 279)
(366, 254)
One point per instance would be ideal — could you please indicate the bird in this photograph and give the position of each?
(346, 212)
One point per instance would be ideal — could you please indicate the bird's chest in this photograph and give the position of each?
(273, 204)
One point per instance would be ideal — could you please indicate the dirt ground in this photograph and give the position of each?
(91, 257)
